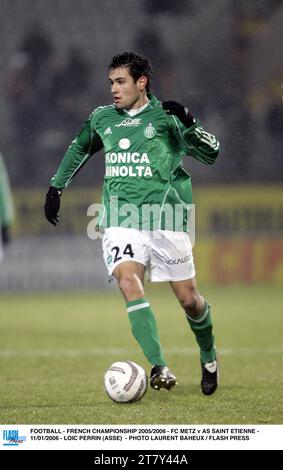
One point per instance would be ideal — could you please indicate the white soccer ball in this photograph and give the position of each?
(125, 382)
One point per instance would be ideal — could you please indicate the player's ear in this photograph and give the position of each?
(142, 82)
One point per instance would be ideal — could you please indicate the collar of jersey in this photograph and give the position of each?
(153, 101)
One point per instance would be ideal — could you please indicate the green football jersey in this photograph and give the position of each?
(6, 200)
(143, 163)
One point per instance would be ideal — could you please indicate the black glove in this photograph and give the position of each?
(52, 205)
(5, 233)
(173, 107)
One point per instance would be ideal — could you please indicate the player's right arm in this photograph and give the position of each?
(85, 144)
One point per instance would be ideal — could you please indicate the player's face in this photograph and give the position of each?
(127, 94)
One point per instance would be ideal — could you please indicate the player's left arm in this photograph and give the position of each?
(191, 136)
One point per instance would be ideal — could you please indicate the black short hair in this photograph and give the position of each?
(136, 64)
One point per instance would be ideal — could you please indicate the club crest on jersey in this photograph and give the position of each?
(149, 131)
(129, 122)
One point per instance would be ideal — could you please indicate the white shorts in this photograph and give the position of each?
(167, 255)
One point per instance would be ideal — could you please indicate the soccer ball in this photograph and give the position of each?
(125, 382)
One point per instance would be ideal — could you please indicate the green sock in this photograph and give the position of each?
(144, 329)
(202, 328)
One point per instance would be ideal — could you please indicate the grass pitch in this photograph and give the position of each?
(55, 348)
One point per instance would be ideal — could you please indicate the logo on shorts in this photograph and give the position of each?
(149, 131)
(186, 259)
(109, 259)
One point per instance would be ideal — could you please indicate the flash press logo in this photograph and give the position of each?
(11, 437)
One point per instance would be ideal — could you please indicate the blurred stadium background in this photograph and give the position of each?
(223, 58)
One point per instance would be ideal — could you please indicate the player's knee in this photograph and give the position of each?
(130, 287)
(192, 304)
